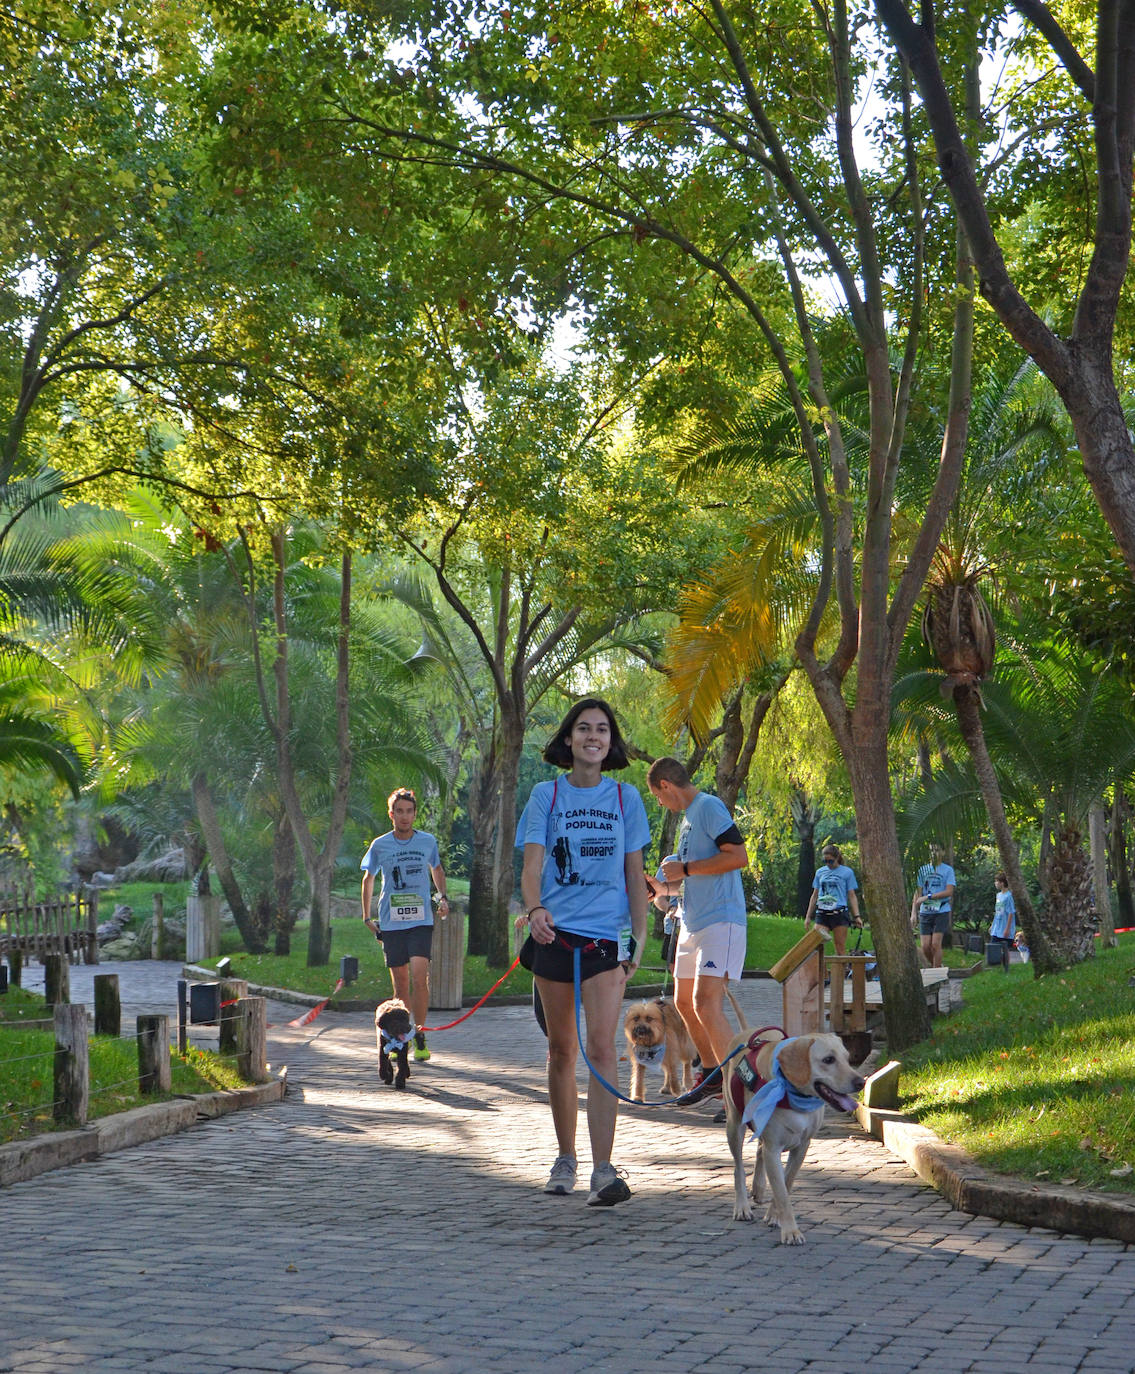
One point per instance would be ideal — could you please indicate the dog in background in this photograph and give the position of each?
(804, 1074)
(394, 1031)
(656, 1033)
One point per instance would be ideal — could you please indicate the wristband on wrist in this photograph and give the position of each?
(685, 870)
(538, 907)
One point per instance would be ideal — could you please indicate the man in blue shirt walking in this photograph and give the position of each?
(711, 947)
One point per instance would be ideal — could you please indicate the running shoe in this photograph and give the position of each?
(421, 1049)
(608, 1186)
(562, 1178)
(707, 1084)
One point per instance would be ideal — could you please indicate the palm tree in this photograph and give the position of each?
(956, 622)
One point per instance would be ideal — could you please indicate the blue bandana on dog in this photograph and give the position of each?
(766, 1099)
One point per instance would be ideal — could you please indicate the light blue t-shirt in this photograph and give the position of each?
(1004, 917)
(587, 832)
(934, 880)
(708, 898)
(404, 899)
(832, 885)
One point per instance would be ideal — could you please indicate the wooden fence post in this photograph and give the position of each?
(15, 965)
(56, 979)
(108, 1005)
(232, 991)
(153, 1054)
(157, 929)
(91, 948)
(252, 1039)
(72, 1065)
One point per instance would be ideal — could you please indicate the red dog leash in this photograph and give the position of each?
(450, 1025)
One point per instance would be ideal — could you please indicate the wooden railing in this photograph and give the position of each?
(65, 924)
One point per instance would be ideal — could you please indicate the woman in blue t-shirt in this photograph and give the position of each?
(834, 902)
(583, 887)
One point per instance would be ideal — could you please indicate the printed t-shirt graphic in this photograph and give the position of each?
(933, 881)
(832, 886)
(404, 899)
(586, 834)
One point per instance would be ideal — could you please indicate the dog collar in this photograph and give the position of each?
(650, 1056)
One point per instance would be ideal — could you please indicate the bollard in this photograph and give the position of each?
(252, 1039)
(72, 1065)
(108, 1005)
(232, 990)
(56, 979)
(153, 1054)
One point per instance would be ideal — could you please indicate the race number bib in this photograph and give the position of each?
(407, 908)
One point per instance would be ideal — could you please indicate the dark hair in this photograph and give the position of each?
(401, 794)
(835, 849)
(558, 749)
(668, 770)
(1001, 878)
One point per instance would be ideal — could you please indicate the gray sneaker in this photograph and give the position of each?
(562, 1178)
(608, 1186)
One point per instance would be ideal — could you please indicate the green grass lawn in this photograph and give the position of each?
(1036, 1078)
(768, 938)
(16, 1005)
(26, 1079)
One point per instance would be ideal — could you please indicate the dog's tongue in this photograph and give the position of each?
(840, 1101)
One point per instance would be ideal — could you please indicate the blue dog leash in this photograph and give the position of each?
(665, 1102)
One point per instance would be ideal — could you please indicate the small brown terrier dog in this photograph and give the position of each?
(394, 1031)
(654, 1032)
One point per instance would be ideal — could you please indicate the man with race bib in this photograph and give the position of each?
(407, 859)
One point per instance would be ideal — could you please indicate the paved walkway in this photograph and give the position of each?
(356, 1228)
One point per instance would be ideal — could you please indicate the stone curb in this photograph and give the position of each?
(981, 1192)
(299, 999)
(24, 1159)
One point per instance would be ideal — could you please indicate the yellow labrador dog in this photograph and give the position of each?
(781, 1087)
(656, 1034)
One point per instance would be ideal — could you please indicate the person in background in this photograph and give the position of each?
(930, 909)
(407, 859)
(1004, 927)
(668, 899)
(834, 902)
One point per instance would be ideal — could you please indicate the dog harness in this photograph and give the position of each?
(746, 1075)
(771, 1093)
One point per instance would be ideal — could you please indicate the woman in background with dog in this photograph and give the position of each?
(583, 835)
(834, 902)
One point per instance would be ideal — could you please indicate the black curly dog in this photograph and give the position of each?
(393, 1028)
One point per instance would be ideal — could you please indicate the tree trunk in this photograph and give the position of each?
(1097, 836)
(484, 798)
(804, 819)
(498, 953)
(1120, 872)
(250, 932)
(884, 892)
(967, 704)
(319, 914)
(283, 883)
(1069, 919)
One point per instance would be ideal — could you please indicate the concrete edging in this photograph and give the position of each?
(981, 1192)
(24, 1159)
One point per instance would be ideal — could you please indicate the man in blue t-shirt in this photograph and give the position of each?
(930, 910)
(711, 947)
(407, 859)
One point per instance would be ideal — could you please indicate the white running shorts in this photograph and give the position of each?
(718, 951)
